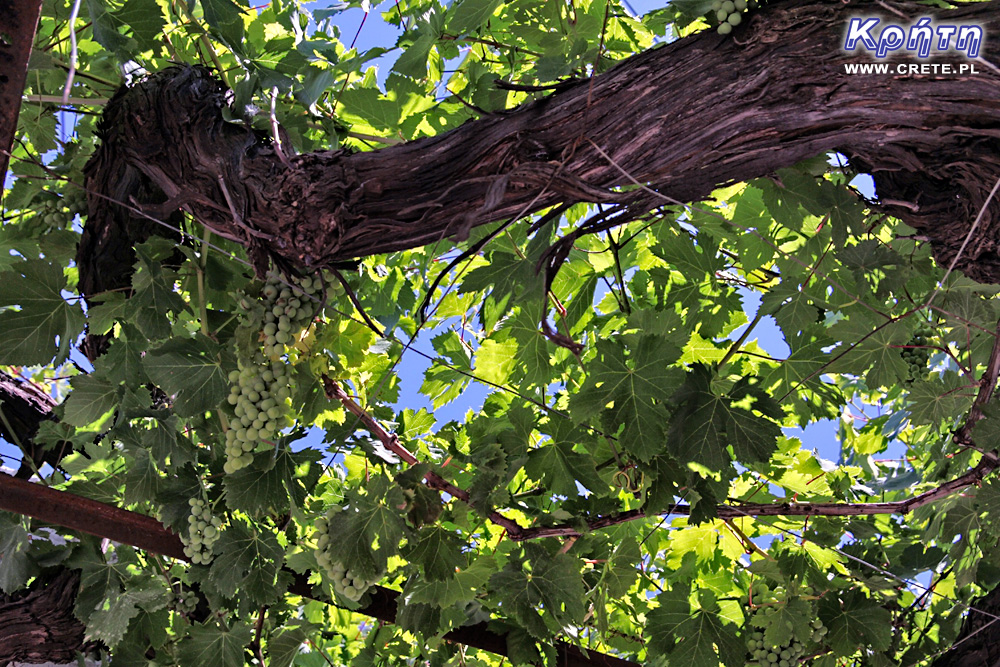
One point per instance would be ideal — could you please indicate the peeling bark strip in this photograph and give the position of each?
(38, 625)
(690, 116)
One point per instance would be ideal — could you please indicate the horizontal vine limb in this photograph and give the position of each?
(62, 508)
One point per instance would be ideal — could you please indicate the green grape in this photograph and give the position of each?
(725, 28)
(722, 15)
(916, 353)
(729, 6)
(734, 19)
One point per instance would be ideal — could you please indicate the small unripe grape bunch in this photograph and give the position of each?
(202, 534)
(349, 585)
(48, 216)
(765, 654)
(917, 354)
(187, 601)
(75, 201)
(729, 13)
(819, 631)
(259, 395)
(288, 309)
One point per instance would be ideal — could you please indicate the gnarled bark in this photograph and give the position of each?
(978, 644)
(38, 625)
(687, 117)
(23, 407)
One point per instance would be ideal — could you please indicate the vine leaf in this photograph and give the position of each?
(634, 387)
(469, 15)
(283, 647)
(247, 561)
(704, 424)
(30, 333)
(559, 468)
(92, 396)
(369, 531)
(192, 371)
(212, 645)
(153, 296)
(855, 621)
(438, 551)
(270, 487)
(787, 621)
(698, 639)
(553, 585)
(462, 586)
(110, 621)
(16, 566)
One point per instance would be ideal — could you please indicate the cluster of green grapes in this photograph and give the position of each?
(347, 584)
(818, 631)
(187, 601)
(287, 311)
(203, 532)
(763, 595)
(52, 214)
(765, 655)
(261, 387)
(729, 13)
(917, 354)
(259, 395)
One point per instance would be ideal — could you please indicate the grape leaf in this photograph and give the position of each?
(92, 396)
(45, 317)
(468, 15)
(247, 560)
(211, 645)
(855, 621)
(192, 371)
(698, 638)
(462, 586)
(109, 622)
(636, 385)
(553, 585)
(16, 565)
(368, 521)
(560, 468)
(438, 551)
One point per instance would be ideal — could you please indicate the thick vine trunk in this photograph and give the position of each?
(687, 117)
